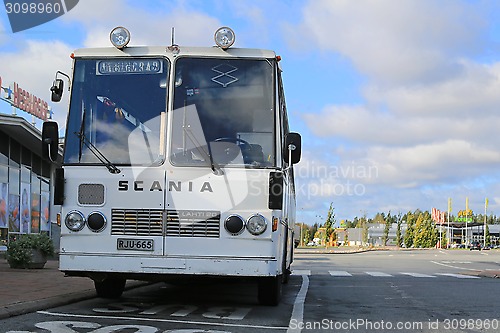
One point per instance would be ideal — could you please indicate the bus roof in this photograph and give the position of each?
(137, 51)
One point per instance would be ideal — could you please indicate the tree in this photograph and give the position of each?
(363, 224)
(399, 238)
(426, 234)
(329, 223)
(410, 232)
(387, 228)
(487, 235)
(306, 234)
(314, 229)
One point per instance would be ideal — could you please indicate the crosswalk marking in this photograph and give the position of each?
(418, 275)
(383, 274)
(459, 276)
(339, 273)
(378, 274)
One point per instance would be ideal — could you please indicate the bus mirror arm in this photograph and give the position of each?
(58, 87)
(50, 141)
(292, 148)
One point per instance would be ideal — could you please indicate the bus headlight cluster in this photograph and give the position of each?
(255, 224)
(76, 221)
(234, 224)
(96, 221)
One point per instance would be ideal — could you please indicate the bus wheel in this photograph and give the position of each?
(110, 288)
(270, 290)
(286, 275)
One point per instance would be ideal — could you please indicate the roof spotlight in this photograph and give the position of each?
(224, 37)
(119, 37)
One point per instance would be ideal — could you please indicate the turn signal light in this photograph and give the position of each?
(275, 223)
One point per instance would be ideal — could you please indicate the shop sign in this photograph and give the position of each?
(26, 101)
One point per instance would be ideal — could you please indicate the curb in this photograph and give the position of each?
(17, 309)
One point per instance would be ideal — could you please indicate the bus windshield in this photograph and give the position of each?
(116, 107)
(223, 113)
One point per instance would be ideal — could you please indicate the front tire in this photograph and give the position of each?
(110, 288)
(270, 290)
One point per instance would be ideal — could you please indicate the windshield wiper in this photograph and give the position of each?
(216, 169)
(100, 156)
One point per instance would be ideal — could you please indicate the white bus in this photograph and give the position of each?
(177, 161)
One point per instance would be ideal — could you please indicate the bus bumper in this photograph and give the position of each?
(89, 265)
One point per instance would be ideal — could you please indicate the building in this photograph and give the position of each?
(25, 178)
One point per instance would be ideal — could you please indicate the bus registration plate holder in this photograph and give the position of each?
(135, 244)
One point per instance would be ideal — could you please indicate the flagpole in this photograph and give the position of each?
(484, 229)
(466, 223)
(449, 231)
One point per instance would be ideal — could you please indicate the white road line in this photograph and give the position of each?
(190, 322)
(451, 266)
(339, 273)
(298, 306)
(459, 276)
(378, 274)
(301, 272)
(418, 275)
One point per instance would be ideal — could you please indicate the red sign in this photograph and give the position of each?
(25, 101)
(28, 102)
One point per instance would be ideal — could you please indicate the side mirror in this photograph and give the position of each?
(57, 90)
(293, 146)
(50, 141)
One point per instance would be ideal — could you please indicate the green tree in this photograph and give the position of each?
(363, 224)
(387, 228)
(306, 234)
(426, 234)
(330, 222)
(314, 229)
(487, 235)
(399, 238)
(410, 230)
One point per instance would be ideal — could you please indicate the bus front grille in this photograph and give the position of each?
(193, 223)
(141, 222)
(91, 194)
(178, 223)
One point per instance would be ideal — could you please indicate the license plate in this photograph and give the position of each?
(135, 244)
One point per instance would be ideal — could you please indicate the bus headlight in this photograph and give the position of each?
(224, 37)
(75, 221)
(234, 224)
(96, 221)
(119, 37)
(256, 224)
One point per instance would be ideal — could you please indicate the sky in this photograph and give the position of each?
(397, 101)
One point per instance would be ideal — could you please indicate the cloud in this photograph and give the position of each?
(396, 41)
(34, 66)
(427, 119)
(473, 93)
(146, 27)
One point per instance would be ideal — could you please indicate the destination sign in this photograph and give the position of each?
(135, 66)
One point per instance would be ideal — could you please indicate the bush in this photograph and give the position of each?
(20, 251)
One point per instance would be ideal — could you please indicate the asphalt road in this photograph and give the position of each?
(394, 291)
